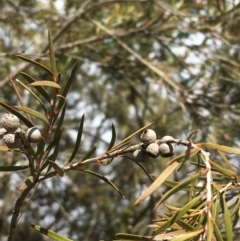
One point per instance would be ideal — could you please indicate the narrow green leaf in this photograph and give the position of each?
(33, 113)
(46, 83)
(44, 165)
(16, 113)
(78, 141)
(179, 214)
(50, 233)
(223, 156)
(33, 94)
(217, 233)
(172, 166)
(53, 143)
(218, 147)
(227, 217)
(158, 182)
(40, 147)
(12, 168)
(179, 187)
(226, 172)
(104, 179)
(34, 63)
(185, 225)
(188, 235)
(126, 236)
(70, 80)
(185, 156)
(57, 168)
(68, 84)
(113, 139)
(57, 111)
(29, 182)
(210, 229)
(171, 235)
(89, 153)
(60, 121)
(40, 89)
(20, 99)
(52, 56)
(54, 155)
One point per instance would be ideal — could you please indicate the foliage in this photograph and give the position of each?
(175, 62)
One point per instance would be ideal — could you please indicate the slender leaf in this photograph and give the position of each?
(188, 235)
(169, 235)
(210, 228)
(66, 88)
(53, 143)
(19, 97)
(12, 168)
(78, 141)
(33, 113)
(57, 168)
(218, 147)
(40, 147)
(50, 233)
(47, 83)
(29, 182)
(57, 111)
(89, 153)
(40, 89)
(113, 138)
(104, 179)
(179, 214)
(226, 172)
(180, 186)
(126, 236)
(54, 155)
(174, 163)
(185, 156)
(217, 233)
(33, 94)
(222, 155)
(158, 182)
(35, 63)
(227, 217)
(52, 56)
(16, 113)
(70, 80)
(60, 121)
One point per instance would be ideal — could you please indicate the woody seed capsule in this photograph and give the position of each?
(153, 150)
(12, 141)
(148, 136)
(140, 156)
(10, 122)
(34, 135)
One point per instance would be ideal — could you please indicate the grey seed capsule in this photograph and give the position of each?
(10, 122)
(153, 150)
(34, 135)
(148, 136)
(140, 156)
(12, 141)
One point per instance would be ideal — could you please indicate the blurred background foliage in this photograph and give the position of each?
(175, 62)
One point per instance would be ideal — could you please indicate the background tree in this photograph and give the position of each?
(173, 62)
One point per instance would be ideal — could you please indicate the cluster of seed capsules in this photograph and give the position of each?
(154, 148)
(13, 135)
